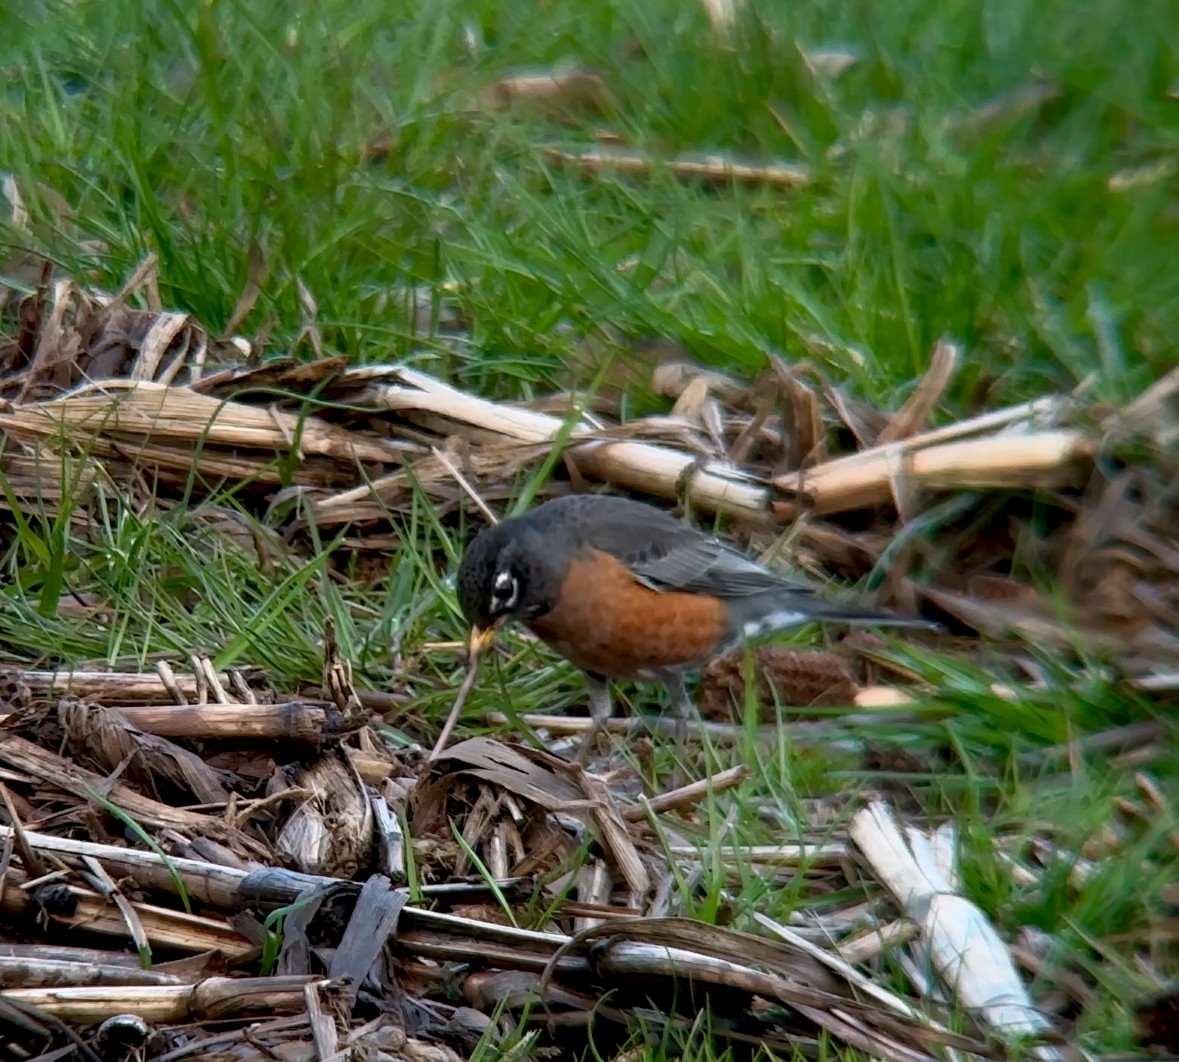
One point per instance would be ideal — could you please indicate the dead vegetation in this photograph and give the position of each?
(301, 870)
(214, 866)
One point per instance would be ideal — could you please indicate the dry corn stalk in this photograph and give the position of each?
(969, 956)
(144, 410)
(641, 466)
(1041, 459)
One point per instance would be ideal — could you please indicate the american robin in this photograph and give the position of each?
(624, 590)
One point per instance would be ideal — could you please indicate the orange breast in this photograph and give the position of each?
(607, 623)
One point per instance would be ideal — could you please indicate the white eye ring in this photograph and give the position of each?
(505, 589)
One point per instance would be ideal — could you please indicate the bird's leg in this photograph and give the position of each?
(682, 704)
(601, 709)
(685, 709)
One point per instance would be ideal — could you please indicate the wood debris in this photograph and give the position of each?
(237, 921)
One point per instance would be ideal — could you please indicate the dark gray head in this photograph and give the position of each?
(511, 571)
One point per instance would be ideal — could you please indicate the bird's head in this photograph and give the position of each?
(510, 571)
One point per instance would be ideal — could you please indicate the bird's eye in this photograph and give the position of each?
(505, 591)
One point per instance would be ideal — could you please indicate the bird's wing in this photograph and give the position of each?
(664, 553)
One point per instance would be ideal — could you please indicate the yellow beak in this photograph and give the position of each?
(480, 640)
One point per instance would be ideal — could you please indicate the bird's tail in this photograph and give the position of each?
(799, 610)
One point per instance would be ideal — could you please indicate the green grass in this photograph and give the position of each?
(196, 130)
(192, 132)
